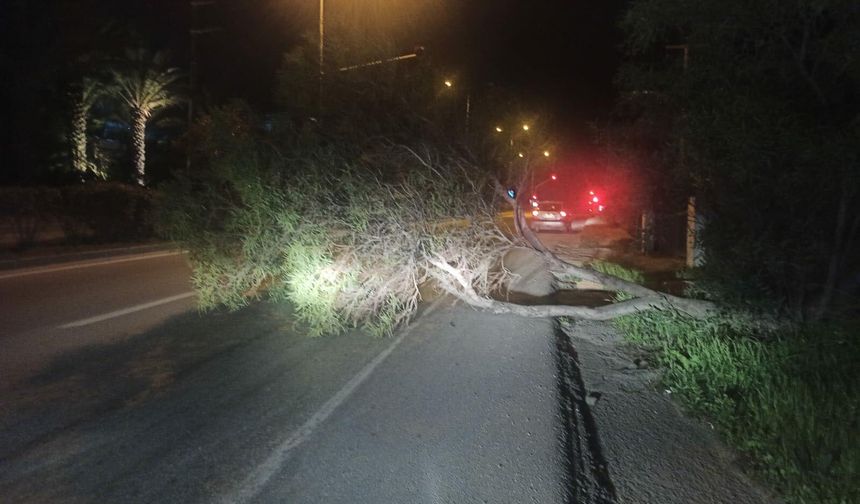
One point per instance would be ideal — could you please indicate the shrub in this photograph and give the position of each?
(788, 400)
(98, 212)
(106, 212)
(30, 209)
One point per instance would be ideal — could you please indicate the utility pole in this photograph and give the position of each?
(321, 59)
(694, 221)
(194, 32)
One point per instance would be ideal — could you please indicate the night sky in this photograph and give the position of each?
(564, 53)
(561, 55)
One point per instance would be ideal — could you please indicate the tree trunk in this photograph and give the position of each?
(139, 143)
(646, 299)
(80, 112)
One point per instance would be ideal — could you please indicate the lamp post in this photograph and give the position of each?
(512, 154)
(552, 178)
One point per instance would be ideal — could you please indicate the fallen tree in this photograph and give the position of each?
(350, 237)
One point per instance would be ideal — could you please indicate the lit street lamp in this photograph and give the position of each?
(552, 178)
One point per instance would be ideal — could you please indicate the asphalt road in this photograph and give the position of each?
(48, 310)
(116, 391)
(244, 407)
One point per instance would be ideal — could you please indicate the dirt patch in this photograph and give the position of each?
(654, 451)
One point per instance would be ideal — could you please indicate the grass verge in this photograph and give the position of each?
(789, 402)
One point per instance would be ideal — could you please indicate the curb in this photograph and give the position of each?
(10, 264)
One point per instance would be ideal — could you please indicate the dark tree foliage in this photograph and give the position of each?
(760, 122)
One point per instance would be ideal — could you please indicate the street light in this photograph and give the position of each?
(499, 129)
(546, 153)
(551, 178)
(448, 83)
(525, 127)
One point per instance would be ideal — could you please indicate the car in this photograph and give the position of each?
(550, 216)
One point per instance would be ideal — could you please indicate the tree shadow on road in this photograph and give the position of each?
(99, 378)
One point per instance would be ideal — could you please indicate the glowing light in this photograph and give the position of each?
(546, 153)
(520, 154)
(591, 193)
(600, 208)
(448, 83)
(595, 199)
(553, 177)
(525, 127)
(535, 212)
(563, 213)
(535, 204)
(499, 129)
(328, 274)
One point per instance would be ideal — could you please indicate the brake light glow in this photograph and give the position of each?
(600, 208)
(563, 213)
(535, 212)
(595, 199)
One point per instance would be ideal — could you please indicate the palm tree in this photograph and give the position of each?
(83, 95)
(145, 86)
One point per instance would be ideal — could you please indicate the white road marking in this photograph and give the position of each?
(126, 311)
(79, 265)
(260, 476)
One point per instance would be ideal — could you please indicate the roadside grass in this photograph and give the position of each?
(789, 401)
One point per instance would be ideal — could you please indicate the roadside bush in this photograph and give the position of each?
(106, 212)
(100, 212)
(30, 209)
(789, 401)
